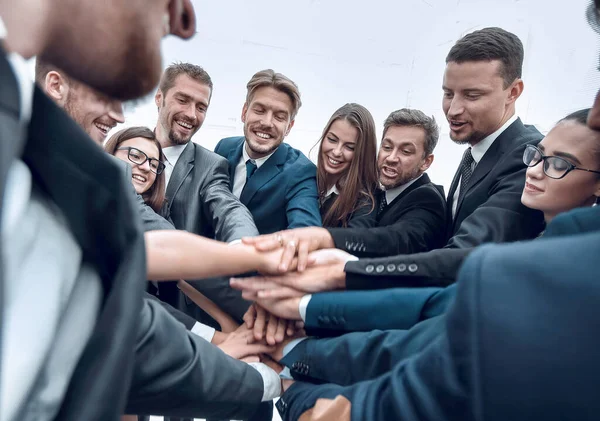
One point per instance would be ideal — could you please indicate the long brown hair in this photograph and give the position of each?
(155, 195)
(359, 182)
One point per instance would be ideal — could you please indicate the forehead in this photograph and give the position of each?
(272, 98)
(145, 145)
(473, 74)
(405, 135)
(343, 130)
(573, 138)
(198, 91)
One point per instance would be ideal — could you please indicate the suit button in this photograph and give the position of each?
(296, 366)
(379, 268)
(391, 268)
(370, 268)
(401, 267)
(326, 320)
(412, 268)
(342, 320)
(320, 319)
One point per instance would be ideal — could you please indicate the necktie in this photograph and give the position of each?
(466, 169)
(250, 168)
(382, 202)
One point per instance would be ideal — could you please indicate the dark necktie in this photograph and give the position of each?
(383, 202)
(466, 169)
(250, 168)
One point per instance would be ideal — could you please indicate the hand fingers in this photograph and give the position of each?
(280, 332)
(251, 359)
(249, 296)
(299, 324)
(249, 316)
(302, 255)
(255, 283)
(256, 349)
(259, 323)
(289, 252)
(290, 329)
(272, 329)
(280, 293)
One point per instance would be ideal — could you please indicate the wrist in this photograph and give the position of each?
(338, 275)
(327, 240)
(218, 338)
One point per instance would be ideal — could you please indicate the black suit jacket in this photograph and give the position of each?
(87, 186)
(518, 343)
(414, 222)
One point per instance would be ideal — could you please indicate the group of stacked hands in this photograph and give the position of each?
(373, 298)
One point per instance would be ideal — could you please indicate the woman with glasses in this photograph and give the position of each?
(564, 169)
(139, 147)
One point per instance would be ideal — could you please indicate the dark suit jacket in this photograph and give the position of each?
(414, 222)
(364, 216)
(282, 193)
(87, 186)
(491, 360)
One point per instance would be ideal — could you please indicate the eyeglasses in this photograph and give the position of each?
(138, 157)
(554, 166)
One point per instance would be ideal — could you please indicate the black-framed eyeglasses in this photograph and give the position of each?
(554, 166)
(138, 157)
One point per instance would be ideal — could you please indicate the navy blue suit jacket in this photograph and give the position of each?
(282, 193)
(518, 342)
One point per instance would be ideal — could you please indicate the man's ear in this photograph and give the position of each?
(56, 87)
(426, 163)
(515, 91)
(244, 111)
(290, 127)
(158, 98)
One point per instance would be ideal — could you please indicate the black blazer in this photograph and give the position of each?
(414, 222)
(90, 190)
(491, 210)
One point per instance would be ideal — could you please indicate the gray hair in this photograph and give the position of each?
(415, 118)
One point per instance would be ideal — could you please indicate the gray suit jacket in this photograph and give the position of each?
(199, 199)
(93, 196)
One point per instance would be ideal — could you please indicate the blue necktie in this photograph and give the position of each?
(250, 168)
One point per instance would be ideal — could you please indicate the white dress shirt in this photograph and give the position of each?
(478, 151)
(172, 154)
(239, 177)
(392, 194)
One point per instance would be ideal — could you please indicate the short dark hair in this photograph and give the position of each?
(415, 118)
(491, 44)
(42, 68)
(194, 71)
(579, 116)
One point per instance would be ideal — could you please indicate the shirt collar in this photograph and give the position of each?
(22, 74)
(332, 190)
(392, 194)
(172, 153)
(481, 148)
(257, 161)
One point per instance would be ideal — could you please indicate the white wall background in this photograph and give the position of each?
(383, 54)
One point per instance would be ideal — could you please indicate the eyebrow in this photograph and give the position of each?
(275, 111)
(188, 97)
(330, 133)
(568, 156)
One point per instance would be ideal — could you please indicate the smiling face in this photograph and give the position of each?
(181, 111)
(337, 149)
(401, 156)
(475, 103)
(267, 121)
(578, 144)
(93, 111)
(141, 176)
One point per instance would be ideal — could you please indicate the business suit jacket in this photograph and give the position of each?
(492, 360)
(364, 216)
(282, 193)
(413, 222)
(95, 199)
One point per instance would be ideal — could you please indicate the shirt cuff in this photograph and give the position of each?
(271, 381)
(205, 332)
(234, 242)
(303, 305)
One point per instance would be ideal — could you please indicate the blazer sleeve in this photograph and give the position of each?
(502, 217)
(230, 218)
(434, 384)
(332, 313)
(187, 321)
(179, 374)
(433, 268)
(365, 355)
(365, 216)
(302, 204)
(421, 226)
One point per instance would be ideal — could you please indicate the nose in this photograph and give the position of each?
(456, 108)
(337, 151)
(145, 166)
(267, 121)
(537, 171)
(392, 157)
(190, 112)
(116, 112)
(184, 24)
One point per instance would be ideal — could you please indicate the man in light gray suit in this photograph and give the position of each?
(198, 195)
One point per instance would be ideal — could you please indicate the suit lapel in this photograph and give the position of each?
(264, 174)
(184, 166)
(233, 158)
(424, 179)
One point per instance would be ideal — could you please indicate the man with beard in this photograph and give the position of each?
(276, 182)
(73, 261)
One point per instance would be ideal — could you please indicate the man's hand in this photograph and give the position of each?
(268, 326)
(297, 242)
(283, 308)
(313, 279)
(240, 345)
